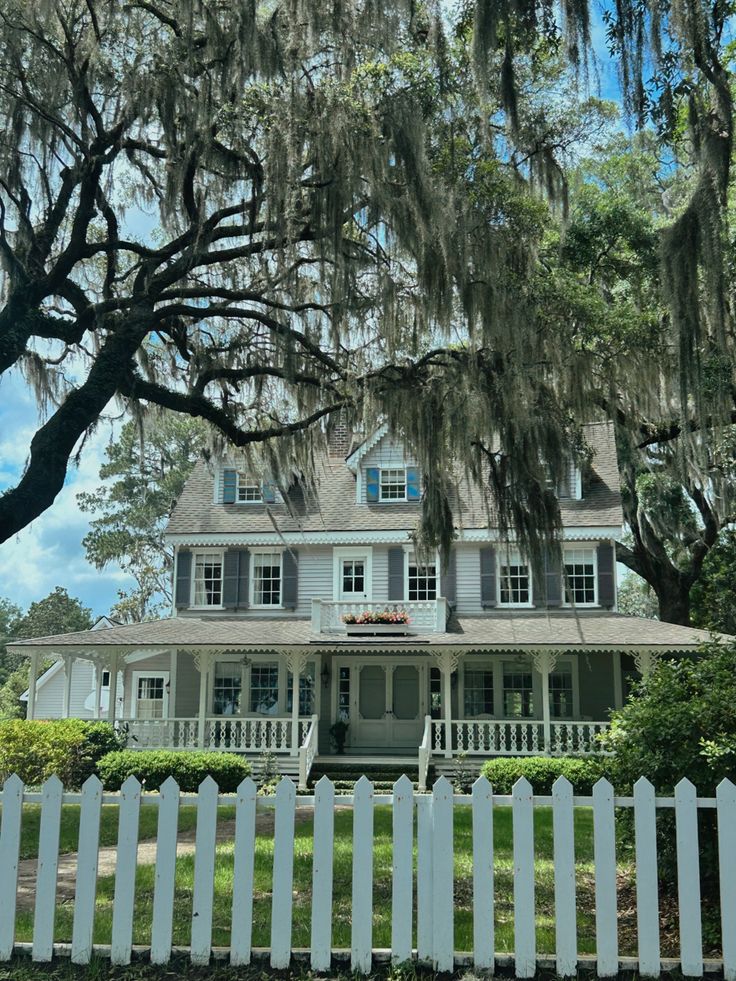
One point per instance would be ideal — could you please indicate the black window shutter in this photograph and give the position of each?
(290, 579)
(396, 574)
(230, 573)
(243, 571)
(606, 575)
(449, 578)
(487, 577)
(183, 579)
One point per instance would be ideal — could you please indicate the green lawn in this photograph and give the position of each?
(342, 886)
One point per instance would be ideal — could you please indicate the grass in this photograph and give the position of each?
(343, 884)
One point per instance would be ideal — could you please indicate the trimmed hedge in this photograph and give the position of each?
(71, 748)
(188, 768)
(542, 771)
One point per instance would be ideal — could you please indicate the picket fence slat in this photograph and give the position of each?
(563, 830)
(402, 872)
(165, 875)
(322, 863)
(361, 933)
(125, 872)
(726, 797)
(204, 872)
(424, 878)
(241, 933)
(283, 874)
(443, 908)
(85, 893)
(604, 857)
(647, 886)
(525, 944)
(48, 863)
(688, 880)
(9, 859)
(483, 932)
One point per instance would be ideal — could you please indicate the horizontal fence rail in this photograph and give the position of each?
(424, 843)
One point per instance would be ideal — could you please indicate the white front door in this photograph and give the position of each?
(389, 713)
(150, 695)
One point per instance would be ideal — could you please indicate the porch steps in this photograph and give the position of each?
(346, 772)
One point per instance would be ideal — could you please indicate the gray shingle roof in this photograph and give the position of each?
(336, 508)
(502, 631)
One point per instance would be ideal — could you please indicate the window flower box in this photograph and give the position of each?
(377, 622)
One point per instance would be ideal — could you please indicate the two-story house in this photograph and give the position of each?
(270, 590)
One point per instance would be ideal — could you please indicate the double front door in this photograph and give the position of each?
(389, 705)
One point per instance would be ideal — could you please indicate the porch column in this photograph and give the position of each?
(203, 663)
(447, 662)
(618, 683)
(544, 662)
(68, 668)
(98, 688)
(31, 709)
(113, 696)
(295, 662)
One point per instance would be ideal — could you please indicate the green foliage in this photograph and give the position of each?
(69, 748)
(542, 771)
(713, 596)
(9, 614)
(144, 474)
(189, 769)
(636, 598)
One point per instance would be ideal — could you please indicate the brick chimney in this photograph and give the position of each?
(339, 438)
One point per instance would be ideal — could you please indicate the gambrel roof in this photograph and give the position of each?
(335, 508)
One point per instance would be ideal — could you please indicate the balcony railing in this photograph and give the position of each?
(425, 616)
(518, 737)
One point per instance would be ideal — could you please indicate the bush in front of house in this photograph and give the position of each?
(542, 771)
(188, 768)
(71, 748)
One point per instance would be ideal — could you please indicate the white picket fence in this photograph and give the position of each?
(434, 918)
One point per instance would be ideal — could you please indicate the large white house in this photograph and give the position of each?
(493, 659)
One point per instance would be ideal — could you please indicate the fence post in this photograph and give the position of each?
(86, 886)
(9, 858)
(125, 870)
(443, 909)
(204, 872)
(604, 856)
(283, 875)
(48, 863)
(165, 875)
(688, 879)
(241, 935)
(483, 929)
(322, 861)
(424, 878)
(362, 912)
(525, 945)
(647, 886)
(563, 822)
(402, 886)
(726, 801)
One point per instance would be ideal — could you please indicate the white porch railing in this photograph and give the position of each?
(517, 737)
(308, 751)
(425, 752)
(238, 735)
(425, 616)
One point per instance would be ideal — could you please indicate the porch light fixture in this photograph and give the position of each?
(325, 676)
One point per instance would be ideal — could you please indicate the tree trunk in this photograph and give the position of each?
(674, 603)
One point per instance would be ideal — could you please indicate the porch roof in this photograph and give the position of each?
(568, 629)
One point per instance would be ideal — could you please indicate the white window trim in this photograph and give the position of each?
(252, 579)
(574, 671)
(351, 553)
(206, 606)
(501, 556)
(408, 552)
(391, 500)
(580, 606)
(136, 675)
(248, 483)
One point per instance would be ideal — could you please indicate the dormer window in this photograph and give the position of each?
(248, 490)
(393, 485)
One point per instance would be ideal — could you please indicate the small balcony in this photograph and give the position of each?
(425, 616)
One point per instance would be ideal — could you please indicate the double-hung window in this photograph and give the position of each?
(422, 579)
(307, 686)
(266, 579)
(264, 688)
(226, 688)
(248, 490)
(478, 691)
(518, 691)
(560, 692)
(207, 579)
(393, 484)
(580, 576)
(514, 580)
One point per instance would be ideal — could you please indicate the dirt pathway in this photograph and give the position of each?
(67, 875)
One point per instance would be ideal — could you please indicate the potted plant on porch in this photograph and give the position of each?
(377, 622)
(339, 735)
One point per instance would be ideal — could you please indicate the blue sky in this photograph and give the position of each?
(49, 552)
